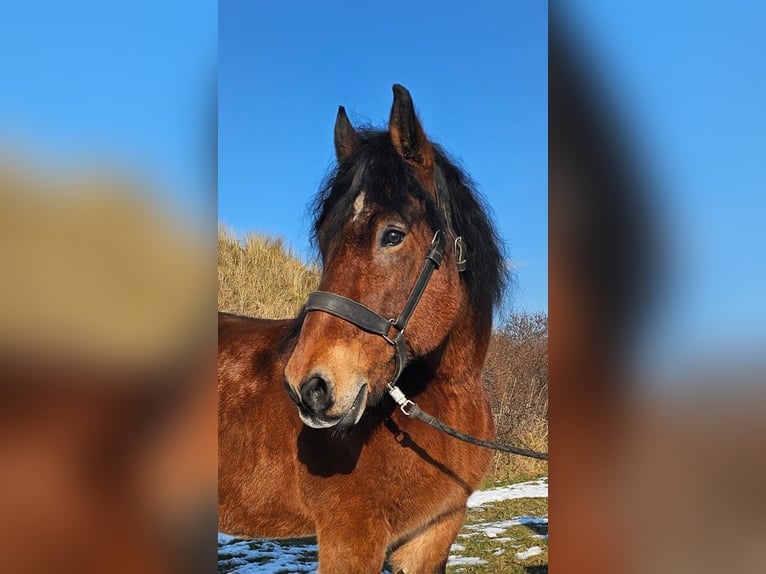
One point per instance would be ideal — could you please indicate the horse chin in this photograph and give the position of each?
(314, 422)
(354, 414)
(346, 421)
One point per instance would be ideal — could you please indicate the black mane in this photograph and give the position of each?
(388, 180)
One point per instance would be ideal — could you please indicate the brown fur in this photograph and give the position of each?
(389, 485)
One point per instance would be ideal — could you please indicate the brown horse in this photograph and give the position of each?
(309, 440)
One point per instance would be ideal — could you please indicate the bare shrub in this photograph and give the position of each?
(516, 376)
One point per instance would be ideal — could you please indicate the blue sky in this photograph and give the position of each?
(478, 78)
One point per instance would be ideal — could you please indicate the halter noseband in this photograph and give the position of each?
(370, 321)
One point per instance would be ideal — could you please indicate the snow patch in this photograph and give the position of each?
(266, 556)
(463, 560)
(531, 489)
(529, 552)
(493, 529)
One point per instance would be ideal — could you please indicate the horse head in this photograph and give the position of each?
(382, 210)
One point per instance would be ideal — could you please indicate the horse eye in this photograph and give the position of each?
(392, 237)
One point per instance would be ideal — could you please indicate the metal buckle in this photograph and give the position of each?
(404, 410)
(459, 255)
(399, 334)
(400, 399)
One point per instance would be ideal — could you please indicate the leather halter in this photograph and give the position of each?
(392, 330)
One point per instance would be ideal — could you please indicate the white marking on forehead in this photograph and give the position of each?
(358, 204)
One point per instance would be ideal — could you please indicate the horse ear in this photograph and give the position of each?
(346, 137)
(406, 132)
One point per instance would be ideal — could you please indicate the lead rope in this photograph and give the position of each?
(416, 412)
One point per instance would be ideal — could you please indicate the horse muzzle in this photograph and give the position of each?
(319, 408)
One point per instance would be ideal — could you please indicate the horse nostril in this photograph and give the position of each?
(315, 394)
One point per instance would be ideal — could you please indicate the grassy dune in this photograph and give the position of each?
(259, 277)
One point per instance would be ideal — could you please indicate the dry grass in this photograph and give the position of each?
(258, 276)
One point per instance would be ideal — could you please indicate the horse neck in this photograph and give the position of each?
(465, 347)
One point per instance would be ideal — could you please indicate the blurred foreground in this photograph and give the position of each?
(656, 411)
(107, 404)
